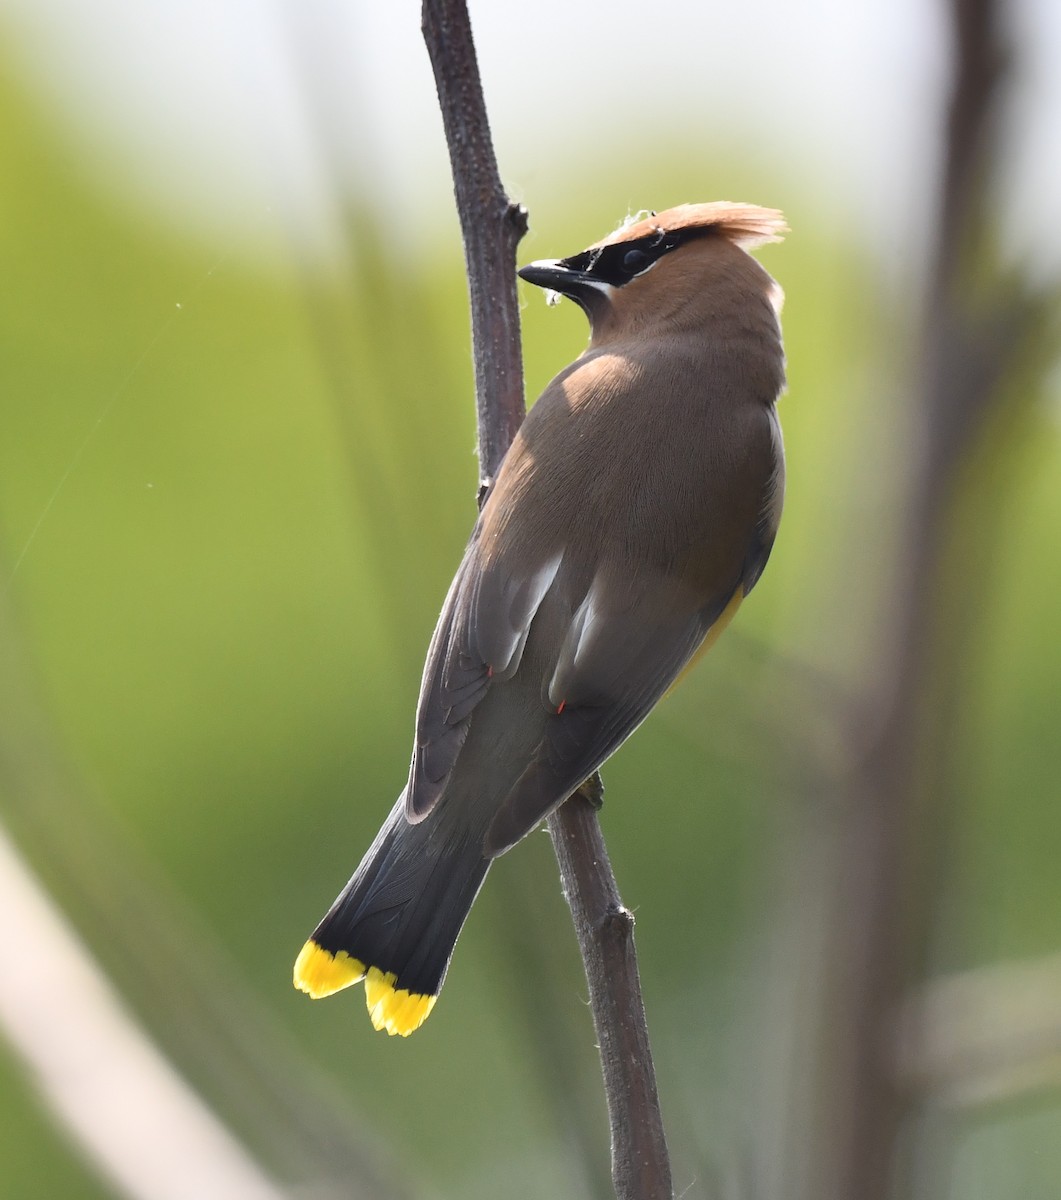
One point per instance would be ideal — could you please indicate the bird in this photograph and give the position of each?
(634, 511)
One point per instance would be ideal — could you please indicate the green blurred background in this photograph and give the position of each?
(236, 474)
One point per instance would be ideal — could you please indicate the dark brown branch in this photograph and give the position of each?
(605, 929)
(893, 847)
(492, 227)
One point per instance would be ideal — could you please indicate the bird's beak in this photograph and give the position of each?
(560, 278)
(550, 273)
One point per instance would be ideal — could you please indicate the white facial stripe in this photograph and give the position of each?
(548, 264)
(599, 285)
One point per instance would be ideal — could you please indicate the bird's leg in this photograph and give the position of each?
(592, 791)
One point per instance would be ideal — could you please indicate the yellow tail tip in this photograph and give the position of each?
(320, 973)
(395, 1010)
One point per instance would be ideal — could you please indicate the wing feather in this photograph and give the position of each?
(608, 681)
(479, 641)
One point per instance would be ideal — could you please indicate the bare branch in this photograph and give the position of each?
(140, 1125)
(138, 948)
(605, 929)
(892, 849)
(492, 226)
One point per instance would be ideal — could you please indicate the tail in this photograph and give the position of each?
(396, 922)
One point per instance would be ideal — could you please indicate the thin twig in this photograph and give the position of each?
(233, 1058)
(107, 1084)
(893, 847)
(492, 226)
(605, 929)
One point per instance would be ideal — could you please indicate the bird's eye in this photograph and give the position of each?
(635, 261)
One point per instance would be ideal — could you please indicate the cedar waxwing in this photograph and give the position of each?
(633, 513)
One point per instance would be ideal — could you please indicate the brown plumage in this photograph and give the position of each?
(635, 509)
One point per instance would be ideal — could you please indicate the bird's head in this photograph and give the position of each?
(654, 268)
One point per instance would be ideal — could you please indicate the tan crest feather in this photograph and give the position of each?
(747, 225)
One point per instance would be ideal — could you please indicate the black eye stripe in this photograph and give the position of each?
(619, 263)
(581, 262)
